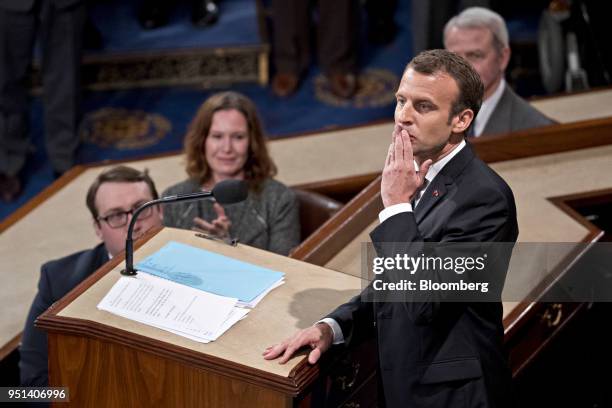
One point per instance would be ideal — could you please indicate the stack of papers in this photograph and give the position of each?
(212, 272)
(179, 309)
(190, 292)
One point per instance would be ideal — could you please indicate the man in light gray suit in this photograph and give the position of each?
(480, 36)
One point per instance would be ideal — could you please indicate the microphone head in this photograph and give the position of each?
(230, 191)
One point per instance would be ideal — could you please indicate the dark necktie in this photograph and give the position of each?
(418, 194)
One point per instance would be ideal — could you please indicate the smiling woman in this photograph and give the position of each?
(225, 141)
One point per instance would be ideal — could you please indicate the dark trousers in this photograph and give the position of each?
(61, 35)
(337, 31)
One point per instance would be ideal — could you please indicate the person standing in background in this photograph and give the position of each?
(60, 26)
(337, 31)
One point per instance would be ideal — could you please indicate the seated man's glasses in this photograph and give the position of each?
(120, 218)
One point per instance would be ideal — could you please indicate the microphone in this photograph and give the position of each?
(225, 192)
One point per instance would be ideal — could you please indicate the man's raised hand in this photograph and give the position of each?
(400, 181)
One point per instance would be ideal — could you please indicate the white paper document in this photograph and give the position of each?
(199, 315)
(234, 317)
(254, 302)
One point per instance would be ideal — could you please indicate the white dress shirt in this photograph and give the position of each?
(487, 108)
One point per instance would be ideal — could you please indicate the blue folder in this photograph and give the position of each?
(209, 271)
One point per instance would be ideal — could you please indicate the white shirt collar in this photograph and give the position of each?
(487, 108)
(437, 167)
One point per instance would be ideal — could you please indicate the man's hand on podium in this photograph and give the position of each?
(319, 337)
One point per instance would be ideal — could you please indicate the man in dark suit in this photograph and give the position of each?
(480, 36)
(111, 199)
(60, 25)
(432, 353)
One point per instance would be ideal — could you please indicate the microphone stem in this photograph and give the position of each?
(129, 244)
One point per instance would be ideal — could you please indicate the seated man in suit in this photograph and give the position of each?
(432, 353)
(480, 36)
(111, 199)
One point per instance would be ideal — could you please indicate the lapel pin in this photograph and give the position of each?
(436, 193)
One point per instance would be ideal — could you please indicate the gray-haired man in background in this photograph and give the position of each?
(480, 36)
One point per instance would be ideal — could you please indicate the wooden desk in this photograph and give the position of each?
(106, 360)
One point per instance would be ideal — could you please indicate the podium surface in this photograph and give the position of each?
(107, 360)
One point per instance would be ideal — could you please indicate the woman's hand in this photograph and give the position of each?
(218, 227)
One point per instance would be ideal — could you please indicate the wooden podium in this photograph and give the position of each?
(106, 360)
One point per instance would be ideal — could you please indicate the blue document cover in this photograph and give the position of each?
(209, 271)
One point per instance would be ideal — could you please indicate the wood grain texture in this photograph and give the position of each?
(545, 140)
(341, 189)
(111, 374)
(339, 230)
(533, 336)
